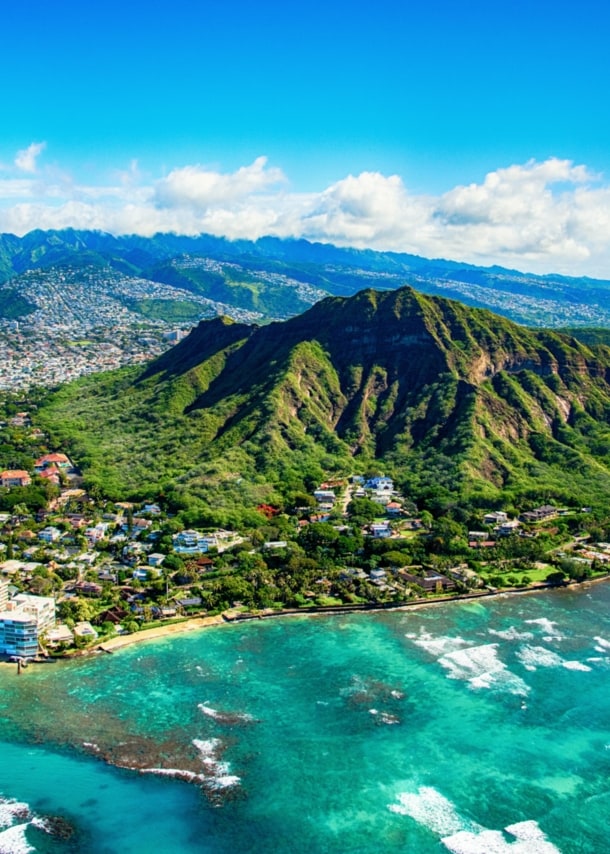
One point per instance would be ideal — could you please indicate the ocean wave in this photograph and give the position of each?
(437, 646)
(215, 775)
(431, 809)
(428, 807)
(576, 665)
(217, 772)
(222, 781)
(225, 717)
(533, 657)
(547, 627)
(14, 841)
(16, 817)
(602, 645)
(482, 669)
(176, 773)
(511, 634)
(11, 810)
(478, 665)
(528, 838)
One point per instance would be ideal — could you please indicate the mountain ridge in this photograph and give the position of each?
(316, 268)
(452, 400)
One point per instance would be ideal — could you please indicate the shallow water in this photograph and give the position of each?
(425, 730)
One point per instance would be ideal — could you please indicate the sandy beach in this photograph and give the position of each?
(233, 616)
(160, 632)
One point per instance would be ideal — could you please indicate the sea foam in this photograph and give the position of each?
(481, 668)
(14, 841)
(511, 634)
(437, 646)
(216, 771)
(547, 627)
(478, 665)
(533, 657)
(224, 717)
(434, 811)
(430, 808)
(11, 810)
(528, 838)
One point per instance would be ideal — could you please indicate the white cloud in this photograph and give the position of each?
(551, 216)
(26, 158)
(200, 188)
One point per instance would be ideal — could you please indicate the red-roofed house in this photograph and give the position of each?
(15, 477)
(51, 474)
(54, 460)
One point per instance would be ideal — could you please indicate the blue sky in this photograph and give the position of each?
(473, 130)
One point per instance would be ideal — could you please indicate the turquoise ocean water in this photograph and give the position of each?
(467, 727)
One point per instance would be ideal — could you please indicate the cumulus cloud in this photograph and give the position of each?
(550, 216)
(201, 188)
(26, 158)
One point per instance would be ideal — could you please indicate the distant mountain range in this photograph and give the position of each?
(276, 279)
(453, 402)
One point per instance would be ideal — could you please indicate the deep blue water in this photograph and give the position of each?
(417, 731)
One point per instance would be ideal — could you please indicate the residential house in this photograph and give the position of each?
(54, 460)
(59, 634)
(192, 602)
(14, 477)
(192, 542)
(84, 629)
(325, 496)
(96, 533)
(49, 534)
(539, 514)
(380, 529)
(380, 484)
(507, 528)
(393, 508)
(430, 580)
(152, 509)
(88, 588)
(496, 517)
(51, 474)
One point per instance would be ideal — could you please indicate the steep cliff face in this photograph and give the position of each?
(389, 376)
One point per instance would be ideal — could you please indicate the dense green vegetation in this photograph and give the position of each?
(457, 404)
(263, 291)
(13, 305)
(593, 336)
(170, 310)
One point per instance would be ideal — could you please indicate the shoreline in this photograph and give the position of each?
(231, 617)
(157, 632)
(228, 618)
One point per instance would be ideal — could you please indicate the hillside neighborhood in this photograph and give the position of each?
(77, 569)
(84, 320)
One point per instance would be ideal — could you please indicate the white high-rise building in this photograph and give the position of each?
(23, 619)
